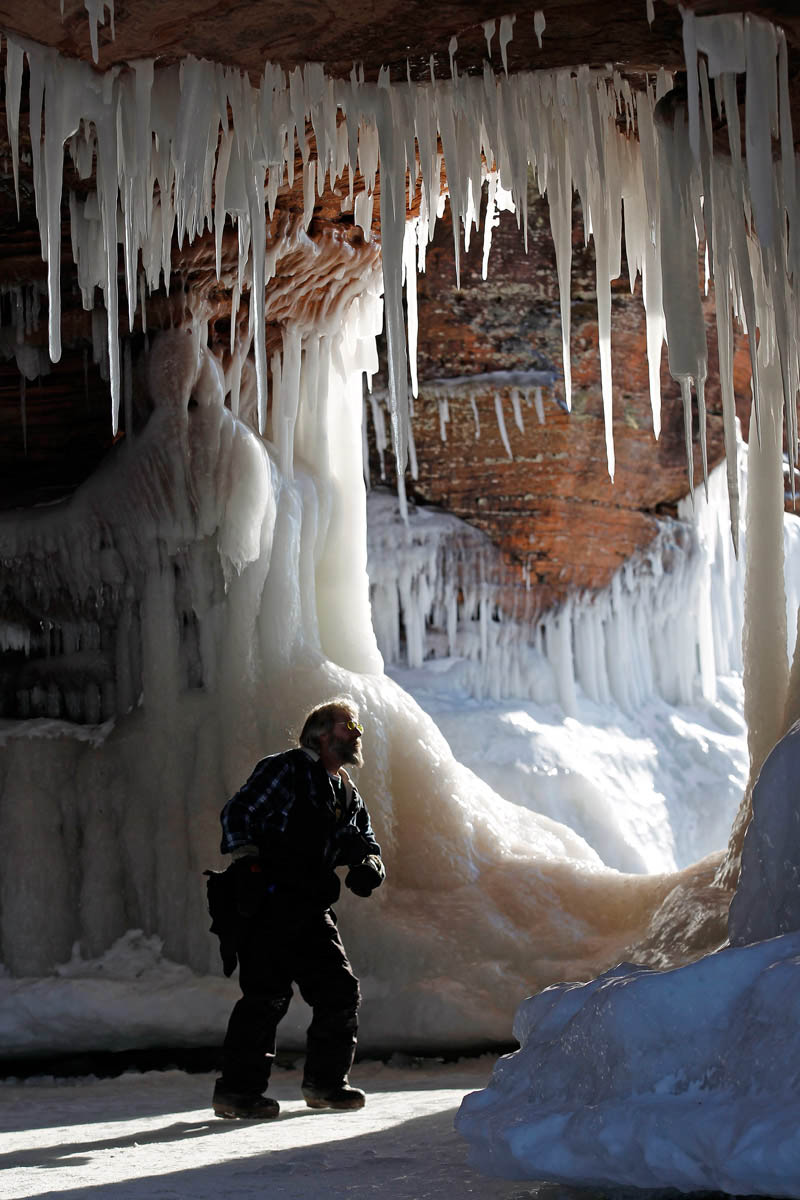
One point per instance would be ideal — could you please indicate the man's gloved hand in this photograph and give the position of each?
(364, 877)
(351, 846)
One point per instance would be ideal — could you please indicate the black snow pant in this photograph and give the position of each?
(304, 948)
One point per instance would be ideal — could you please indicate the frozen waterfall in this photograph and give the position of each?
(239, 595)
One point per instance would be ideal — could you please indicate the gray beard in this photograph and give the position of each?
(348, 753)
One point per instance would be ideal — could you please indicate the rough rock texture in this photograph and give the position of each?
(552, 507)
(378, 33)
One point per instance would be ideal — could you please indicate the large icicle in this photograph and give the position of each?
(686, 333)
(13, 81)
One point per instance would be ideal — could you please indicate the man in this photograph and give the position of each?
(297, 818)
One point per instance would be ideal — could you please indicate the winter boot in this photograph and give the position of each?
(341, 1096)
(248, 1106)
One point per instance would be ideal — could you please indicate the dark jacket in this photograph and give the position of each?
(287, 811)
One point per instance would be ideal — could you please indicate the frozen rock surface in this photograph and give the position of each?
(682, 1079)
(767, 900)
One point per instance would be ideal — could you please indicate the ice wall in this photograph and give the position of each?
(669, 624)
(218, 565)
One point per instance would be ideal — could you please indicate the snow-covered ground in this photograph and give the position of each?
(650, 791)
(154, 1137)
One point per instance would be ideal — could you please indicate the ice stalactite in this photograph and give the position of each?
(750, 208)
(20, 311)
(162, 143)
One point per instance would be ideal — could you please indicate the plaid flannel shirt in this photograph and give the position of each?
(263, 813)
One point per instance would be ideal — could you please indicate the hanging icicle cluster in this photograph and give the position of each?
(169, 159)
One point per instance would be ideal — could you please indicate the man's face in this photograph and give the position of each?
(345, 742)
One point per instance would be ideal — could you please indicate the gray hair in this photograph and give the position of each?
(323, 717)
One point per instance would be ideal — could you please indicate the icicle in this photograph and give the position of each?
(413, 466)
(701, 416)
(761, 121)
(725, 351)
(602, 221)
(490, 221)
(444, 417)
(488, 32)
(651, 267)
(539, 26)
(477, 419)
(501, 424)
(517, 410)
(692, 84)
(686, 394)
(107, 193)
(788, 162)
(766, 669)
(506, 34)
(258, 289)
(537, 399)
(650, 12)
(309, 175)
(393, 222)
(223, 161)
(740, 254)
(560, 209)
(410, 279)
(451, 50)
(13, 80)
(97, 16)
(235, 300)
(127, 389)
(686, 337)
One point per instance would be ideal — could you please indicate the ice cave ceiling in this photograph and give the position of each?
(556, 481)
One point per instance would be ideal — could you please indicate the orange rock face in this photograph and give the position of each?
(550, 506)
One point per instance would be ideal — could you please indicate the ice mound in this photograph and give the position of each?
(680, 1079)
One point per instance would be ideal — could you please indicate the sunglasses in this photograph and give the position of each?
(351, 725)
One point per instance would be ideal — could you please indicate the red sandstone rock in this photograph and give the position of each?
(552, 508)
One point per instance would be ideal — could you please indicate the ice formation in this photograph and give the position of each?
(227, 583)
(163, 146)
(617, 714)
(767, 900)
(169, 127)
(668, 625)
(679, 1080)
(224, 579)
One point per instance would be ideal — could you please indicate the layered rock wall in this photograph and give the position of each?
(549, 504)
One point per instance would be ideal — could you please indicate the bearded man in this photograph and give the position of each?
(297, 818)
